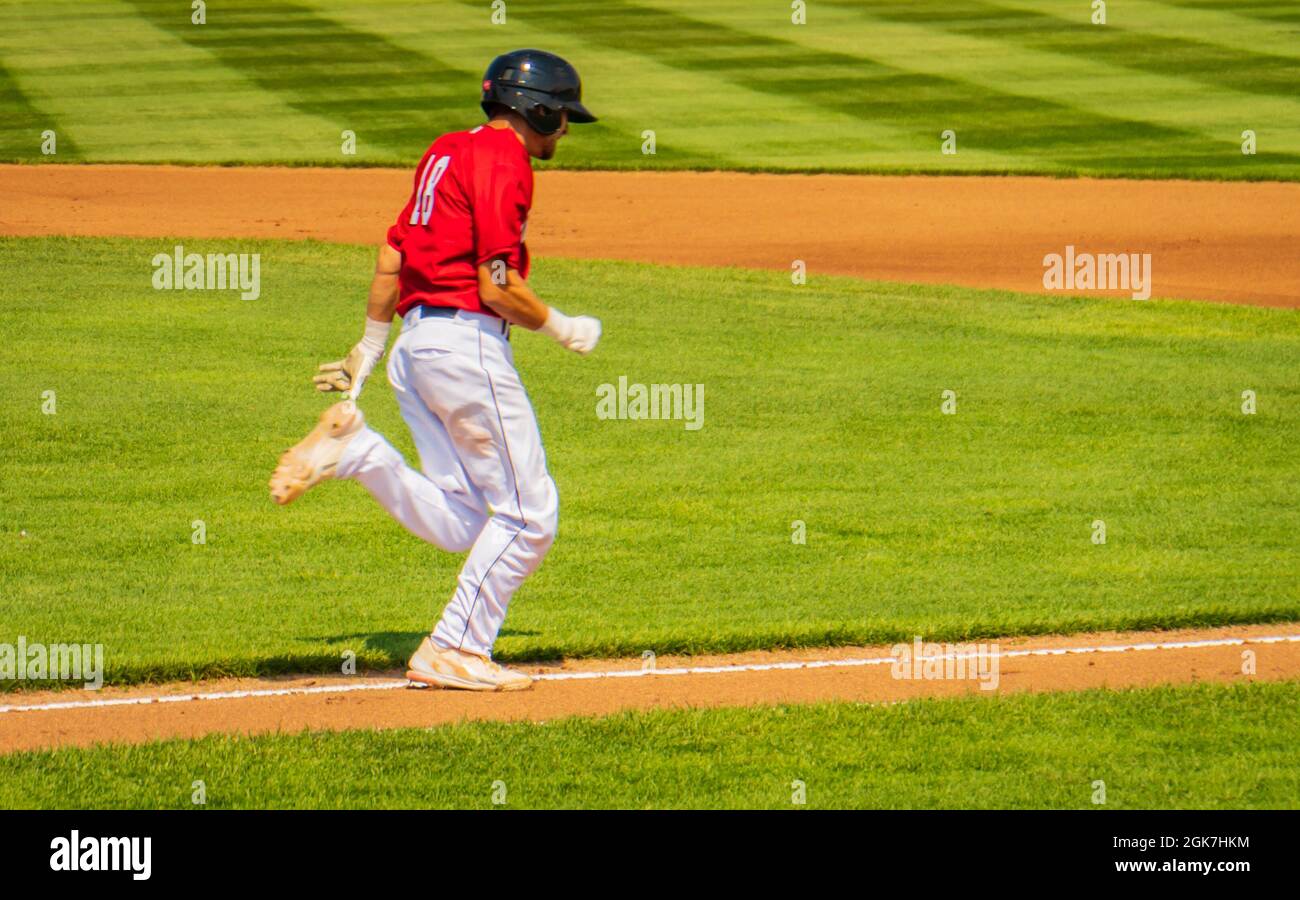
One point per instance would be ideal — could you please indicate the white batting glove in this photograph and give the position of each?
(350, 374)
(578, 333)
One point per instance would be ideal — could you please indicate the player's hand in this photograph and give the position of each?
(348, 374)
(586, 333)
(579, 333)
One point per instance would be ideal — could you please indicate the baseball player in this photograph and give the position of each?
(455, 269)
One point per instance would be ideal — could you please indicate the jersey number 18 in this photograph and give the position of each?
(434, 169)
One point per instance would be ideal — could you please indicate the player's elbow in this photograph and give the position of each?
(389, 261)
(492, 280)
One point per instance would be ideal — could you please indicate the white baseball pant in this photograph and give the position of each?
(484, 486)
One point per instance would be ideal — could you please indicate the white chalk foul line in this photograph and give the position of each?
(392, 684)
(220, 695)
(887, 660)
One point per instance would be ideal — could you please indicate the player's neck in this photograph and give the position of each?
(505, 123)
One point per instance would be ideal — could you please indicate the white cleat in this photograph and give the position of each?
(315, 457)
(443, 667)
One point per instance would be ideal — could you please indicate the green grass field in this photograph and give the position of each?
(1201, 747)
(1162, 89)
(822, 405)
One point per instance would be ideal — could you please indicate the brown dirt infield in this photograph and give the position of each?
(32, 729)
(1225, 241)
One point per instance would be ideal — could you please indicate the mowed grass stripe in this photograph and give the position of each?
(991, 64)
(822, 406)
(1114, 43)
(390, 96)
(856, 84)
(727, 85)
(701, 120)
(1196, 747)
(1001, 62)
(626, 98)
(125, 90)
(23, 124)
(1205, 121)
(1232, 24)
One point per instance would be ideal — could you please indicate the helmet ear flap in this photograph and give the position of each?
(544, 119)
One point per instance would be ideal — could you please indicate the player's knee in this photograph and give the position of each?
(544, 520)
(460, 542)
(546, 530)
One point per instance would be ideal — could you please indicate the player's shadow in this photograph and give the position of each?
(397, 645)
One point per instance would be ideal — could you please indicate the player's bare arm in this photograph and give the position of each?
(513, 300)
(382, 299)
(350, 373)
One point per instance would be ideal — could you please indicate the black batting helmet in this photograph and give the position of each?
(537, 85)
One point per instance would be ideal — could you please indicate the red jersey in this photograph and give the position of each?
(470, 202)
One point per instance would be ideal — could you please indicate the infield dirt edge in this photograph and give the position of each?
(1228, 241)
(1101, 660)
